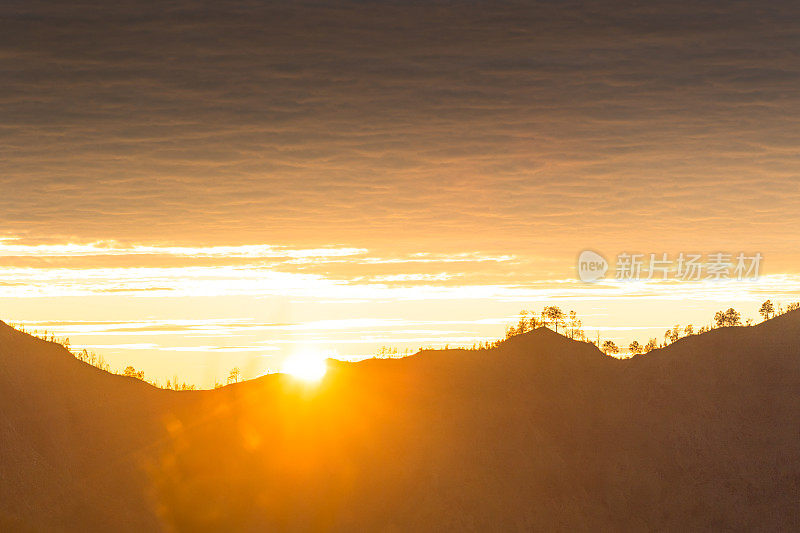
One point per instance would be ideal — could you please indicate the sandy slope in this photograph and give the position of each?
(542, 432)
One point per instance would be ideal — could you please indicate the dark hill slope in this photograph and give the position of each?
(541, 432)
(71, 434)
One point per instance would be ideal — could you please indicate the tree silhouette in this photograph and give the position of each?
(522, 325)
(574, 326)
(235, 375)
(635, 347)
(731, 317)
(554, 314)
(734, 317)
(533, 323)
(767, 309)
(133, 373)
(676, 333)
(609, 347)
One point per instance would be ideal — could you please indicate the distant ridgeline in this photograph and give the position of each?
(551, 316)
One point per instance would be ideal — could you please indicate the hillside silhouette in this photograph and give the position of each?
(540, 432)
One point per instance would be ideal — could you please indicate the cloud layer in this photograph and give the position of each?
(429, 126)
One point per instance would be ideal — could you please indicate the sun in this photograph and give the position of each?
(306, 366)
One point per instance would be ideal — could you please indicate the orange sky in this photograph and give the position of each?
(197, 186)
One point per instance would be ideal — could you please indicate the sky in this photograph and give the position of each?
(189, 186)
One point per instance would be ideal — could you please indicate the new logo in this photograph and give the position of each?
(591, 266)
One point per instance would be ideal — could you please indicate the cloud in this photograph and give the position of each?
(9, 247)
(506, 127)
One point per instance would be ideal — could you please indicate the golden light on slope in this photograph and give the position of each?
(306, 366)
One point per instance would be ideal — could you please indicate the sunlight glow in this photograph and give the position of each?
(306, 366)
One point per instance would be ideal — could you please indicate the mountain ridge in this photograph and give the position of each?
(539, 432)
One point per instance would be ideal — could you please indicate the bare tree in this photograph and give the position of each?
(574, 326)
